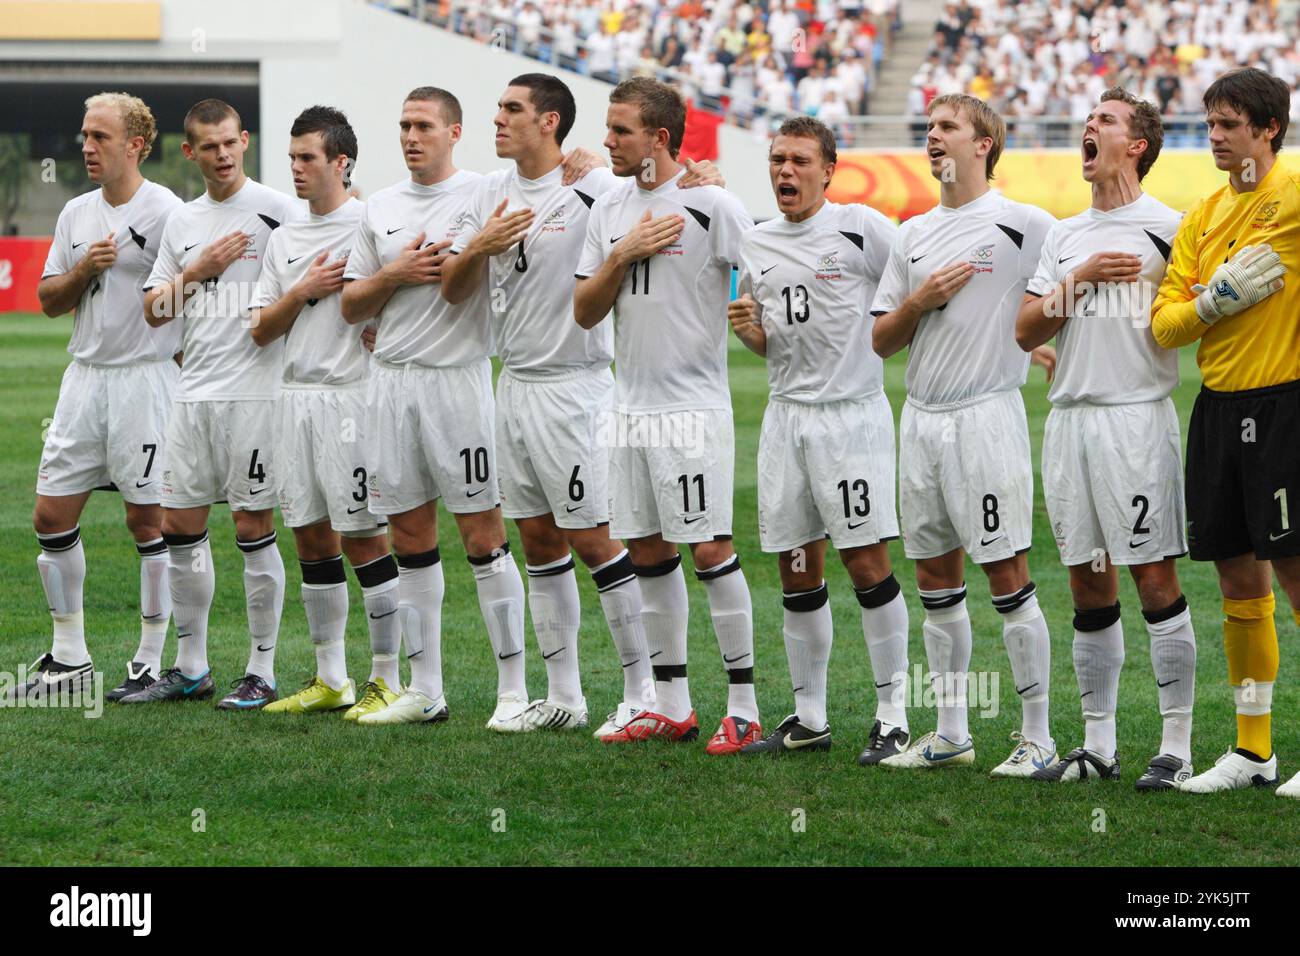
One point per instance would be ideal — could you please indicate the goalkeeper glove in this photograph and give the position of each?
(1250, 276)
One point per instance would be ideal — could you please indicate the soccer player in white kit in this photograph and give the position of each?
(1112, 455)
(950, 295)
(826, 450)
(662, 259)
(109, 423)
(219, 444)
(319, 431)
(430, 410)
(554, 395)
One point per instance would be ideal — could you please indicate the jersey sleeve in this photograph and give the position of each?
(363, 261)
(594, 251)
(878, 235)
(1038, 224)
(1174, 321)
(167, 266)
(60, 260)
(893, 287)
(1044, 278)
(730, 222)
(269, 286)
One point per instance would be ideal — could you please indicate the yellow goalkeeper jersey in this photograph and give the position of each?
(1257, 347)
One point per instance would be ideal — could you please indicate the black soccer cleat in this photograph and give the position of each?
(250, 693)
(1165, 772)
(49, 678)
(880, 746)
(1080, 764)
(790, 736)
(173, 685)
(138, 677)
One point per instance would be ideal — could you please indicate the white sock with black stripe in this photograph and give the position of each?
(809, 631)
(556, 612)
(884, 626)
(1173, 658)
(947, 651)
(325, 600)
(192, 580)
(1098, 652)
(62, 565)
(379, 591)
(501, 601)
(420, 589)
(620, 599)
(155, 604)
(733, 625)
(664, 612)
(1024, 632)
(264, 596)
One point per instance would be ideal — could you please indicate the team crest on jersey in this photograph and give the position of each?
(555, 222)
(981, 258)
(457, 225)
(1266, 215)
(828, 267)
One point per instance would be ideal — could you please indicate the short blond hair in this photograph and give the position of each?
(136, 117)
(982, 117)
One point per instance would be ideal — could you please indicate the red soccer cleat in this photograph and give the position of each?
(648, 725)
(734, 733)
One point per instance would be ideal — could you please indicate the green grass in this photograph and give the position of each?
(123, 789)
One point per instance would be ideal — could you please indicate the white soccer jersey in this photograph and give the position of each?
(222, 362)
(109, 327)
(967, 347)
(1106, 354)
(670, 333)
(320, 348)
(814, 282)
(530, 288)
(417, 325)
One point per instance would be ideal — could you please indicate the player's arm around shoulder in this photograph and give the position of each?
(1174, 320)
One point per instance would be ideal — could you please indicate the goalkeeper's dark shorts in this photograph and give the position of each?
(1243, 473)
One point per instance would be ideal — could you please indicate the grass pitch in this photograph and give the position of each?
(133, 786)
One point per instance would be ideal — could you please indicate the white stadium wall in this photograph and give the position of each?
(364, 60)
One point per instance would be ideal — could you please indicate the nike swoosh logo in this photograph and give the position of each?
(428, 709)
(152, 617)
(192, 688)
(612, 241)
(797, 689)
(1275, 537)
(1167, 683)
(916, 259)
(265, 649)
(930, 756)
(1066, 259)
(858, 525)
(692, 520)
(189, 247)
(292, 261)
(179, 635)
(984, 543)
(506, 657)
(1022, 690)
(1084, 694)
(791, 744)
(256, 491)
(398, 229)
(81, 243)
(885, 684)
(764, 272)
(471, 494)
(145, 485)
(1138, 544)
(655, 654)
(732, 660)
(376, 617)
(571, 509)
(630, 663)
(411, 657)
(353, 511)
(547, 657)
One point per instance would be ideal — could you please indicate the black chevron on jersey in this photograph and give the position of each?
(274, 224)
(1161, 245)
(139, 239)
(702, 219)
(585, 198)
(852, 237)
(1017, 237)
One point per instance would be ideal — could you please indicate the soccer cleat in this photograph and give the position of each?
(790, 736)
(412, 707)
(250, 693)
(617, 720)
(1291, 788)
(173, 685)
(317, 696)
(549, 715)
(647, 725)
(1026, 759)
(1165, 772)
(138, 678)
(508, 718)
(1234, 771)
(49, 678)
(1080, 764)
(734, 733)
(375, 696)
(881, 745)
(932, 752)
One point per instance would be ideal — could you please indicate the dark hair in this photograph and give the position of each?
(209, 113)
(812, 129)
(450, 106)
(1261, 96)
(659, 105)
(336, 134)
(550, 94)
(1145, 123)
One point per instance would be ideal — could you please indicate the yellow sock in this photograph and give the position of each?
(1250, 642)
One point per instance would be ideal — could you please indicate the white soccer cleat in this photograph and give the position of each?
(550, 715)
(1025, 759)
(1291, 788)
(1232, 771)
(619, 719)
(413, 707)
(932, 752)
(508, 718)
(1078, 765)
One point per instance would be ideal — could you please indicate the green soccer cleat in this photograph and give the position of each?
(315, 698)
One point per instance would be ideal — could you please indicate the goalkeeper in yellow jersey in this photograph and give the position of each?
(1233, 283)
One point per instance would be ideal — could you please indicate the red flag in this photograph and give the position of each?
(700, 140)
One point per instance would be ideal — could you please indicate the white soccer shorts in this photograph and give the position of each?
(826, 467)
(109, 428)
(220, 451)
(1113, 480)
(671, 473)
(966, 479)
(320, 452)
(431, 436)
(549, 447)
